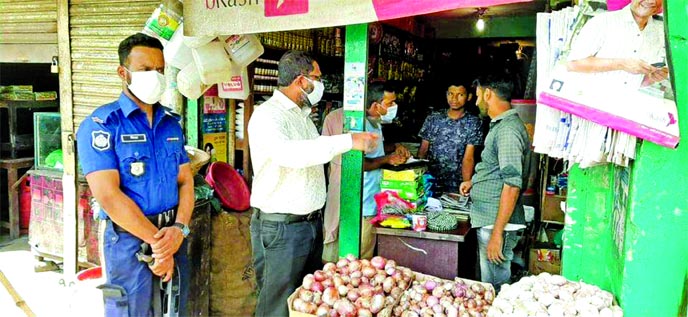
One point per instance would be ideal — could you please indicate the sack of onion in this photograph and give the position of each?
(351, 288)
(432, 296)
(553, 295)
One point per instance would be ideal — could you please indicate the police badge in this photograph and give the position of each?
(100, 140)
(137, 168)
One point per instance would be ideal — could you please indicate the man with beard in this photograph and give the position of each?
(449, 140)
(495, 190)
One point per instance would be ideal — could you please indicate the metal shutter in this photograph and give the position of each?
(28, 31)
(96, 29)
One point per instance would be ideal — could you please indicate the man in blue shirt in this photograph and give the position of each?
(132, 154)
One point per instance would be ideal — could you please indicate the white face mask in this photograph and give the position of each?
(317, 93)
(148, 86)
(391, 114)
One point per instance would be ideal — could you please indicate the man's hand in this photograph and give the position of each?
(396, 159)
(637, 66)
(494, 249)
(402, 151)
(364, 141)
(656, 76)
(164, 269)
(465, 187)
(169, 240)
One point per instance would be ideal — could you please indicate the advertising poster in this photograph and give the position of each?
(214, 115)
(215, 144)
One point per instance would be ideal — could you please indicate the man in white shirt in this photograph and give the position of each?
(624, 48)
(289, 181)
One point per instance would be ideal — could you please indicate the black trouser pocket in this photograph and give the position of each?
(115, 300)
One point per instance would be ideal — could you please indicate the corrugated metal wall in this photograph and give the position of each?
(28, 22)
(97, 27)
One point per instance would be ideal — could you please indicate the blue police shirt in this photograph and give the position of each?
(117, 136)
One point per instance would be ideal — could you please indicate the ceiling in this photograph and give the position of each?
(506, 10)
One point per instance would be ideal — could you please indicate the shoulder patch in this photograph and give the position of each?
(100, 140)
(97, 120)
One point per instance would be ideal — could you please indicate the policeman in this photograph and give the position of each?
(132, 153)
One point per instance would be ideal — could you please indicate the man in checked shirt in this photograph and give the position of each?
(495, 189)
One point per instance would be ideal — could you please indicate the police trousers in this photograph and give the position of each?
(122, 268)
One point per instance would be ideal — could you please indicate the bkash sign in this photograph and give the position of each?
(224, 17)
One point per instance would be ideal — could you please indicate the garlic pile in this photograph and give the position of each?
(553, 295)
(441, 298)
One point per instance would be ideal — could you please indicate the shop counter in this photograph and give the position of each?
(443, 254)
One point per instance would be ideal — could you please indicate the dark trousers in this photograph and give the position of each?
(282, 255)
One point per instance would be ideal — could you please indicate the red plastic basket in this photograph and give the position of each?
(230, 188)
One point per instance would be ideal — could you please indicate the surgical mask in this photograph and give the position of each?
(391, 114)
(148, 86)
(317, 93)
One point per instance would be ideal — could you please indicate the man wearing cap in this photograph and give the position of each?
(132, 153)
(288, 154)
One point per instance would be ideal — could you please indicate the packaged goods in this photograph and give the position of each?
(213, 63)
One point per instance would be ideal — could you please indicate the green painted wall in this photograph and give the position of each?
(352, 162)
(495, 27)
(650, 276)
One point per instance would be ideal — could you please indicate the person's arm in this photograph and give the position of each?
(121, 209)
(423, 150)
(507, 202)
(468, 163)
(371, 164)
(171, 238)
(272, 135)
(592, 64)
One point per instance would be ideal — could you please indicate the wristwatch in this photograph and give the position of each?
(183, 227)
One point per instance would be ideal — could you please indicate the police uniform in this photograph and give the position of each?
(117, 136)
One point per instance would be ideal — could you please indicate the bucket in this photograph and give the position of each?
(86, 299)
(189, 82)
(25, 204)
(243, 49)
(213, 63)
(237, 87)
(176, 53)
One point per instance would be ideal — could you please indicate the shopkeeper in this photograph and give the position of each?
(381, 109)
(449, 140)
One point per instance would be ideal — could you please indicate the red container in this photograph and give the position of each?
(24, 204)
(230, 188)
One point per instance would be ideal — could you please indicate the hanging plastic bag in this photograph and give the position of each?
(177, 54)
(237, 87)
(189, 82)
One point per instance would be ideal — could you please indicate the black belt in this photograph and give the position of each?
(161, 220)
(287, 218)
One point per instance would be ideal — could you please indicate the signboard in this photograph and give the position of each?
(225, 17)
(215, 144)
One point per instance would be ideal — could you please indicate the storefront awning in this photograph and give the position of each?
(224, 17)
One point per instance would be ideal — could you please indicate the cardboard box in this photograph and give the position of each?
(409, 175)
(551, 209)
(544, 260)
(46, 95)
(408, 190)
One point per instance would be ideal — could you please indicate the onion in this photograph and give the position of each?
(460, 290)
(437, 309)
(306, 295)
(357, 274)
(344, 271)
(470, 304)
(378, 290)
(396, 292)
(489, 296)
(452, 311)
(363, 302)
(330, 296)
(478, 288)
(346, 279)
(354, 265)
(430, 285)
(365, 290)
(342, 263)
(365, 262)
(317, 298)
(438, 292)
(345, 308)
(387, 284)
(378, 262)
(390, 263)
(333, 313)
(401, 284)
(322, 310)
(308, 281)
(337, 281)
(319, 276)
(376, 303)
(327, 282)
(355, 281)
(365, 280)
(317, 287)
(390, 271)
(362, 312)
(310, 308)
(352, 294)
(368, 271)
(379, 279)
(342, 290)
(351, 257)
(329, 266)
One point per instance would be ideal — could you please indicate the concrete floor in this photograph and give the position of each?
(41, 291)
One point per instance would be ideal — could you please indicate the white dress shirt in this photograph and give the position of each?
(288, 156)
(616, 35)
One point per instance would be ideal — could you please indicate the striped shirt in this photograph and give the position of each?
(504, 161)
